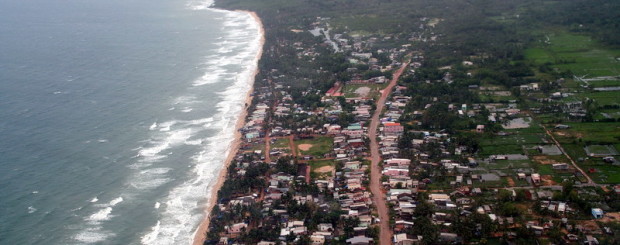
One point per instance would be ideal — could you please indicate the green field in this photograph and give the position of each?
(574, 140)
(281, 143)
(512, 144)
(603, 97)
(349, 90)
(320, 146)
(607, 113)
(492, 149)
(509, 164)
(490, 98)
(604, 174)
(316, 164)
(601, 149)
(578, 53)
(604, 83)
(594, 133)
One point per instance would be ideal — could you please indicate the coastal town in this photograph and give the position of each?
(393, 151)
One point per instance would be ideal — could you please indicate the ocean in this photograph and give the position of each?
(116, 116)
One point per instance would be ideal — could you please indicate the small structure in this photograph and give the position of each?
(237, 228)
(597, 213)
(536, 178)
(590, 240)
(601, 150)
(560, 166)
(550, 150)
(359, 240)
(480, 128)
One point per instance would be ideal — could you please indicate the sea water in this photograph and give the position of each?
(116, 116)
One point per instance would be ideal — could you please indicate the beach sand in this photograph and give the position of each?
(200, 233)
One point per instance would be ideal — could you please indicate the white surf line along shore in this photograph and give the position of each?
(200, 233)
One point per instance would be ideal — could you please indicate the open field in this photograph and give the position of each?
(580, 54)
(359, 90)
(580, 135)
(317, 164)
(255, 147)
(604, 174)
(493, 98)
(607, 114)
(603, 97)
(511, 144)
(596, 133)
(321, 169)
(280, 143)
(320, 146)
(601, 150)
(604, 83)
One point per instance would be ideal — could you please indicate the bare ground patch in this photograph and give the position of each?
(511, 182)
(544, 160)
(305, 147)
(548, 180)
(324, 169)
(363, 91)
(611, 217)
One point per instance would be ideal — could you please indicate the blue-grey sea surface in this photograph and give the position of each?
(116, 116)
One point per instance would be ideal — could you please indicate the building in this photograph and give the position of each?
(391, 128)
(360, 240)
(536, 178)
(597, 213)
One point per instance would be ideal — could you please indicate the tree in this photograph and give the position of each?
(425, 228)
(423, 209)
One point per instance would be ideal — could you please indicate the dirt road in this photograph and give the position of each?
(385, 235)
(590, 182)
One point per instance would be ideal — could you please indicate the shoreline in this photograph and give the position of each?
(200, 233)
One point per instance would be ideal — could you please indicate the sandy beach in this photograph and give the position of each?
(200, 233)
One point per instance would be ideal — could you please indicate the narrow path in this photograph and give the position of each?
(267, 147)
(291, 144)
(590, 182)
(385, 236)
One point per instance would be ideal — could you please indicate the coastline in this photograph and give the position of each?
(200, 233)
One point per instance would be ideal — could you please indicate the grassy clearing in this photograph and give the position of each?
(512, 144)
(605, 83)
(592, 133)
(545, 169)
(493, 149)
(281, 143)
(604, 174)
(490, 98)
(315, 164)
(349, 90)
(578, 53)
(255, 147)
(575, 151)
(601, 149)
(509, 164)
(608, 113)
(320, 146)
(534, 128)
(603, 97)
